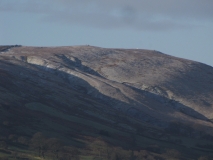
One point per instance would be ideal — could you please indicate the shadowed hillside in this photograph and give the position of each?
(138, 103)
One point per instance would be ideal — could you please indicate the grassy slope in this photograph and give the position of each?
(71, 129)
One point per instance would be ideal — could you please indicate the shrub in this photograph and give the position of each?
(173, 153)
(3, 145)
(204, 158)
(38, 143)
(23, 140)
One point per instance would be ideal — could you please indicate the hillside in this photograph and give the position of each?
(131, 99)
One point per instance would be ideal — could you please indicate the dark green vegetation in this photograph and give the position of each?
(45, 114)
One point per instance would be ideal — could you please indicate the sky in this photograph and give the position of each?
(182, 28)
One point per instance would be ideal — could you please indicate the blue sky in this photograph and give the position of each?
(182, 28)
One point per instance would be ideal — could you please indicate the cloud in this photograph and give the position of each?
(136, 14)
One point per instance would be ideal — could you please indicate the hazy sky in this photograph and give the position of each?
(183, 28)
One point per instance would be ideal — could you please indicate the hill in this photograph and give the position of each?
(139, 103)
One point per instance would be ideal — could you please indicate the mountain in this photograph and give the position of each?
(129, 99)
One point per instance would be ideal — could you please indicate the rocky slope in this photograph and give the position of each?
(149, 86)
